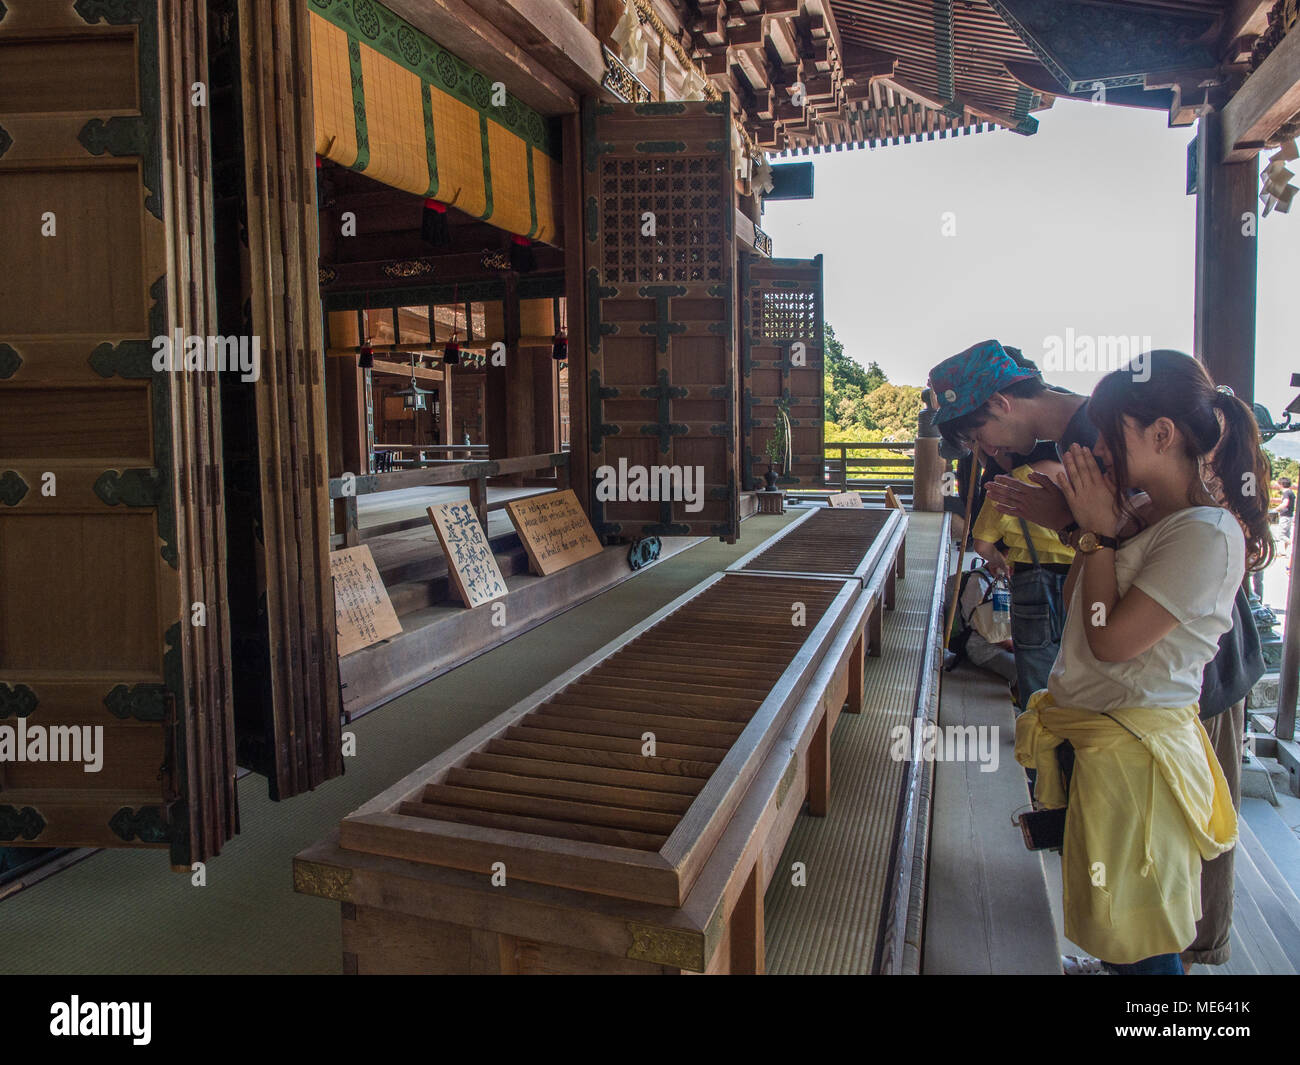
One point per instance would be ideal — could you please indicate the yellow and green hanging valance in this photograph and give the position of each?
(399, 107)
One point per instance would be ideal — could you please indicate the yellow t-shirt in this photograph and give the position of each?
(992, 525)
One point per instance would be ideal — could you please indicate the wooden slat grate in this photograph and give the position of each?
(831, 541)
(573, 767)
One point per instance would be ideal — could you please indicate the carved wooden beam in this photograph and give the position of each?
(1268, 100)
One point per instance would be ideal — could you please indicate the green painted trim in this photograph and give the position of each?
(26, 822)
(359, 105)
(531, 287)
(131, 359)
(148, 824)
(430, 141)
(487, 167)
(532, 196)
(593, 219)
(659, 147)
(131, 488)
(124, 135)
(663, 108)
(12, 488)
(10, 361)
(17, 701)
(143, 702)
(598, 429)
(945, 72)
(372, 24)
(6, 141)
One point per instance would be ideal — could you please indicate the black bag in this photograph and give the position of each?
(962, 631)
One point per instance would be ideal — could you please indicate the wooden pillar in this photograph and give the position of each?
(575, 311)
(496, 424)
(519, 379)
(748, 938)
(1226, 262)
(446, 422)
(546, 407)
(303, 716)
(205, 652)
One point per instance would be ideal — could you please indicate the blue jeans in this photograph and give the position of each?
(1037, 619)
(1156, 965)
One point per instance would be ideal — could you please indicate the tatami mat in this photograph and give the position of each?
(829, 925)
(125, 912)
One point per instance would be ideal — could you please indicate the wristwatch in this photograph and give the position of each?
(1091, 541)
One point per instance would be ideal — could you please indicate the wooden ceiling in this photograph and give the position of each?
(891, 71)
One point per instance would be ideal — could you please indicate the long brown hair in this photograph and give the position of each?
(1169, 384)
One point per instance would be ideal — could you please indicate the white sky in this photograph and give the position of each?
(1084, 226)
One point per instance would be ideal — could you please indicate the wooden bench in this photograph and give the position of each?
(615, 861)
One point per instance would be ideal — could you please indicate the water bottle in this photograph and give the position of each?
(1001, 602)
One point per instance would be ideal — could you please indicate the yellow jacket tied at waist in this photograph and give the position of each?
(1146, 807)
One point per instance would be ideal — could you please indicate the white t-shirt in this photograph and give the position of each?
(1191, 563)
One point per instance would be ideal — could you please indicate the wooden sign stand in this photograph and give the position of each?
(470, 562)
(363, 612)
(554, 530)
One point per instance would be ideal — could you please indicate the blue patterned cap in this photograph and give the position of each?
(965, 382)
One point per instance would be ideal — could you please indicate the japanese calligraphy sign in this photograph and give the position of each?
(469, 556)
(362, 610)
(554, 530)
(846, 499)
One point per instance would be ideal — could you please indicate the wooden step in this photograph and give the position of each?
(408, 596)
(1276, 900)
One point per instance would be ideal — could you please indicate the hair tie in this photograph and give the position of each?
(1225, 389)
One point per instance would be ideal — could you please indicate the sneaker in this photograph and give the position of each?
(1077, 965)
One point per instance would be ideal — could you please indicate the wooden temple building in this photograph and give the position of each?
(284, 277)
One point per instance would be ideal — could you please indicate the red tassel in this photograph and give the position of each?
(522, 259)
(433, 224)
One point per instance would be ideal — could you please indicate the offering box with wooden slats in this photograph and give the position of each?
(562, 788)
(831, 542)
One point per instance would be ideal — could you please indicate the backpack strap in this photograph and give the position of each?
(1029, 542)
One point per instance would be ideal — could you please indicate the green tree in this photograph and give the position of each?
(847, 385)
(893, 410)
(1283, 467)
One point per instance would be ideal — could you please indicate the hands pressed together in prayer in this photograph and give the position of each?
(1081, 493)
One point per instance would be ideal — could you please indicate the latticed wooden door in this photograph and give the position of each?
(115, 716)
(660, 216)
(782, 363)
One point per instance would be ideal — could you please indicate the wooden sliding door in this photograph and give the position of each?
(115, 716)
(660, 254)
(782, 365)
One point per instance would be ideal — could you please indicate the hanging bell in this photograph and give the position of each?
(366, 360)
(451, 354)
(560, 346)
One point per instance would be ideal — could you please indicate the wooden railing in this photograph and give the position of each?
(409, 456)
(850, 469)
(473, 475)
